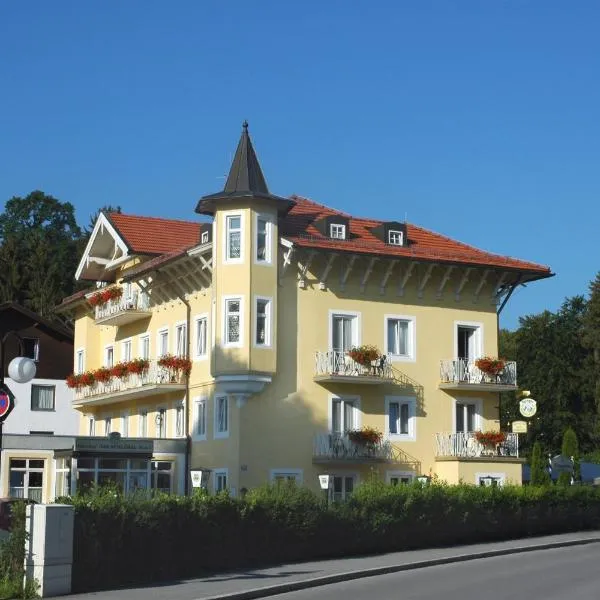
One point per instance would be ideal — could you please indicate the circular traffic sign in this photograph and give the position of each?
(5, 403)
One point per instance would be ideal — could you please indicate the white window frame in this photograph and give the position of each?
(268, 321)
(389, 475)
(356, 329)
(124, 343)
(398, 233)
(176, 327)
(478, 326)
(125, 423)
(338, 228)
(165, 424)
(217, 473)
(106, 349)
(127, 291)
(354, 475)
(200, 401)
(226, 300)
(411, 436)
(226, 230)
(36, 347)
(204, 237)
(107, 425)
(43, 385)
(179, 406)
(79, 365)
(159, 333)
(91, 426)
(478, 420)
(500, 476)
(297, 474)
(356, 412)
(143, 411)
(268, 238)
(412, 338)
(219, 435)
(197, 319)
(141, 340)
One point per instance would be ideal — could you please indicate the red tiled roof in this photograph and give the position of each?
(153, 235)
(74, 297)
(298, 227)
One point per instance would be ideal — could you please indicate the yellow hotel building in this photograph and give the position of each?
(267, 297)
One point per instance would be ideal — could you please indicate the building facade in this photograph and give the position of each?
(276, 338)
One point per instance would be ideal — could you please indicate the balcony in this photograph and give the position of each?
(124, 310)
(337, 367)
(463, 374)
(154, 380)
(464, 445)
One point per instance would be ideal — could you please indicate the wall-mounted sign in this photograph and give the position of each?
(519, 426)
(324, 481)
(528, 407)
(7, 402)
(196, 479)
(114, 445)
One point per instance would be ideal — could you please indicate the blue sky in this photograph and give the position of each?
(479, 120)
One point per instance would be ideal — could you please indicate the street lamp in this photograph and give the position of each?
(20, 369)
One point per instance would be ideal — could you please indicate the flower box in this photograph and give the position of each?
(363, 355)
(490, 366)
(176, 363)
(365, 436)
(105, 296)
(490, 438)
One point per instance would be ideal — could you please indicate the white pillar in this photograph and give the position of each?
(49, 547)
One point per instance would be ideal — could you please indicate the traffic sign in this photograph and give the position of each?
(7, 402)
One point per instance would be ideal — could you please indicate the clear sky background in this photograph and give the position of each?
(479, 120)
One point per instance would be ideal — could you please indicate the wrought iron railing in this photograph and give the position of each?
(464, 370)
(155, 374)
(337, 362)
(464, 444)
(137, 301)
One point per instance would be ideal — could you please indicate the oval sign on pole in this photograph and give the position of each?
(528, 407)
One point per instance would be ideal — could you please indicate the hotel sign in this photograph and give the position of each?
(116, 445)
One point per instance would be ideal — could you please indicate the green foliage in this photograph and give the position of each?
(570, 448)
(122, 540)
(539, 472)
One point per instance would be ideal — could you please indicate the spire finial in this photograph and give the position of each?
(245, 124)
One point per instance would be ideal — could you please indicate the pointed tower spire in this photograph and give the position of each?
(245, 180)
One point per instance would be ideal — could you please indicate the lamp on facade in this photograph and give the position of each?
(20, 369)
(325, 481)
(160, 419)
(424, 479)
(200, 477)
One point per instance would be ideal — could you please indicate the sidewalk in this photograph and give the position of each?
(243, 585)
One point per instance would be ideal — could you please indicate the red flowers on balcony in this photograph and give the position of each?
(176, 363)
(367, 436)
(490, 438)
(363, 355)
(490, 366)
(121, 370)
(106, 295)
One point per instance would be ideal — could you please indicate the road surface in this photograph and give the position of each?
(560, 574)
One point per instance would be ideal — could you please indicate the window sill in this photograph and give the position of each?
(401, 437)
(221, 436)
(401, 358)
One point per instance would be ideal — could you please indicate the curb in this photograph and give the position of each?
(294, 586)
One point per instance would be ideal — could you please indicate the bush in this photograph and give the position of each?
(539, 472)
(123, 541)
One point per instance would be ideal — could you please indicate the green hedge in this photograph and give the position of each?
(133, 540)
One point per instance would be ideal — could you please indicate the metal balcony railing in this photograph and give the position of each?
(139, 301)
(155, 375)
(465, 445)
(338, 363)
(338, 446)
(464, 370)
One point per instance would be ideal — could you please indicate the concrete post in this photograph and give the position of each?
(49, 547)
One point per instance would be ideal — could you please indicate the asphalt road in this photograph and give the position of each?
(560, 574)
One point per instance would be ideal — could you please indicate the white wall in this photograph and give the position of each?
(63, 420)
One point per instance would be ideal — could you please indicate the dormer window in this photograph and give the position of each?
(395, 238)
(337, 231)
(204, 237)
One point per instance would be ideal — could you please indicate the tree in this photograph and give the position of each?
(539, 473)
(94, 217)
(591, 334)
(570, 448)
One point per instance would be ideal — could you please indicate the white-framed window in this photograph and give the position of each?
(109, 356)
(220, 480)
(399, 477)
(204, 237)
(233, 321)
(490, 479)
(221, 416)
(401, 418)
(200, 420)
(180, 339)
(107, 424)
(143, 422)
(468, 337)
(201, 343)
(262, 322)
(161, 422)
(179, 420)
(145, 346)
(400, 337)
(344, 414)
(467, 415)
(91, 426)
(233, 238)
(162, 345)
(126, 353)
(125, 423)
(344, 330)
(31, 348)
(80, 361)
(342, 487)
(395, 238)
(42, 397)
(337, 231)
(263, 239)
(26, 478)
(128, 292)
(284, 475)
